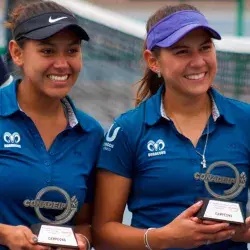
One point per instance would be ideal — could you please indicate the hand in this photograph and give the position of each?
(205, 222)
(81, 241)
(242, 232)
(185, 232)
(21, 237)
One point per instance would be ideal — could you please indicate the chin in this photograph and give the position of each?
(58, 93)
(199, 91)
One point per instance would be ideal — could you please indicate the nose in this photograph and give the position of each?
(197, 60)
(61, 62)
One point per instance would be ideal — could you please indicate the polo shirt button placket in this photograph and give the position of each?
(47, 163)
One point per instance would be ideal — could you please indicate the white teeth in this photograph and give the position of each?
(195, 77)
(58, 78)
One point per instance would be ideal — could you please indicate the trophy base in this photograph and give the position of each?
(221, 210)
(55, 236)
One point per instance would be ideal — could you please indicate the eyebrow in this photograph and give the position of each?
(186, 47)
(207, 41)
(42, 43)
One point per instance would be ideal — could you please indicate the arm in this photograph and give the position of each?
(83, 221)
(109, 233)
(83, 218)
(111, 196)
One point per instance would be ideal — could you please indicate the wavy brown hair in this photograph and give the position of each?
(150, 82)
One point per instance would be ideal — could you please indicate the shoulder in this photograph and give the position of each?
(132, 119)
(232, 109)
(128, 128)
(238, 112)
(89, 123)
(238, 106)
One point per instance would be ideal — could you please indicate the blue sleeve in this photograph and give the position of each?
(116, 153)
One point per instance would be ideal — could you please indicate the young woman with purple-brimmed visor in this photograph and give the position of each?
(184, 140)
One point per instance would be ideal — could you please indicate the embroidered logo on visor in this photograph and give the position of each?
(56, 19)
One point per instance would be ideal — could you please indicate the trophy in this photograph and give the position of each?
(52, 232)
(222, 207)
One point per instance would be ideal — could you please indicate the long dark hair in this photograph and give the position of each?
(150, 82)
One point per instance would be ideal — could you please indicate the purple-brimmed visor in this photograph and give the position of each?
(172, 28)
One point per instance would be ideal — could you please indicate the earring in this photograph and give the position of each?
(159, 74)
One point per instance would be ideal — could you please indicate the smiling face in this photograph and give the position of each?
(51, 66)
(189, 66)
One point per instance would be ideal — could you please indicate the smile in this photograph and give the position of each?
(195, 76)
(58, 78)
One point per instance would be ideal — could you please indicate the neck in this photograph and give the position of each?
(33, 102)
(186, 106)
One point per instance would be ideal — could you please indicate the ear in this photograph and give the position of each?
(16, 53)
(151, 61)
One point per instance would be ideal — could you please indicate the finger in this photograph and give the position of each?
(206, 222)
(81, 241)
(34, 239)
(31, 238)
(40, 247)
(191, 211)
(238, 227)
(196, 220)
(218, 237)
(247, 222)
(210, 222)
(213, 228)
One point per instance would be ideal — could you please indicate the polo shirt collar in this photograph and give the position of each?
(153, 107)
(223, 106)
(154, 110)
(76, 117)
(9, 105)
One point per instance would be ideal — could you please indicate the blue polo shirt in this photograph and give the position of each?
(26, 166)
(144, 145)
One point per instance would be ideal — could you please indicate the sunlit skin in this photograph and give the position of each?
(43, 61)
(193, 56)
